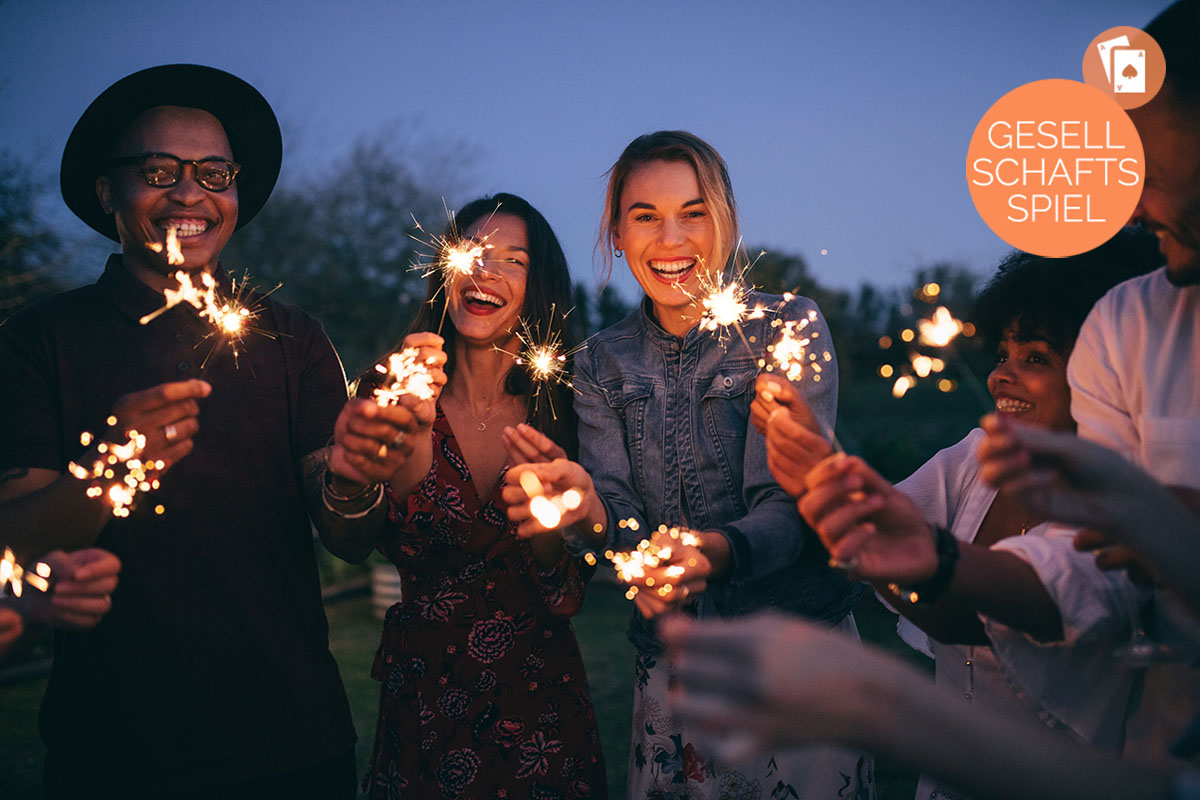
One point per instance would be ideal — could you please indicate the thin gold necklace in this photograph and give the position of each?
(482, 422)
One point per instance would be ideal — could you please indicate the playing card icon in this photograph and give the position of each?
(1130, 71)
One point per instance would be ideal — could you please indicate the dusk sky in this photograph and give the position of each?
(845, 126)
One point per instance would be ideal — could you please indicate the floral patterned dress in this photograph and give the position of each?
(484, 693)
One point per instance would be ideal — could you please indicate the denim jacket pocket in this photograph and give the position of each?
(629, 399)
(726, 402)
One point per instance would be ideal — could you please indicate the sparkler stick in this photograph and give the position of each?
(118, 473)
(14, 576)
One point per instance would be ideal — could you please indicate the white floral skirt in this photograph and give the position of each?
(665, 764)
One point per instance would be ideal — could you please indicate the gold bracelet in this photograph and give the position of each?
(354, 514)
(327, 489)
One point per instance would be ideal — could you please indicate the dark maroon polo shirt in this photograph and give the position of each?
(214, 663)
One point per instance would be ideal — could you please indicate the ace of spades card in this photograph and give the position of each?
(1129, 70)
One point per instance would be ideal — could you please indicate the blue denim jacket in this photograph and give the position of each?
(664, 431)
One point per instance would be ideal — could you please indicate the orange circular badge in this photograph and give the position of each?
(1055, 168)
(1126, 64)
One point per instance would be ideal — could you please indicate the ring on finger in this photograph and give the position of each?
(400, 438)
(170, 432)
(847, 565)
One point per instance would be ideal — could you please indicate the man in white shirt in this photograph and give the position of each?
(1135, 370)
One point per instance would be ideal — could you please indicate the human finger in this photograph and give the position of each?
(533, 444)
(163, 394)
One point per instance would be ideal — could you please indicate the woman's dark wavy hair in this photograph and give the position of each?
(547, 299)
(1049, 298)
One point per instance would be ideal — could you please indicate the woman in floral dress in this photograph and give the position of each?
(484, 693)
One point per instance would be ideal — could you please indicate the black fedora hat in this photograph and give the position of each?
(245, 114)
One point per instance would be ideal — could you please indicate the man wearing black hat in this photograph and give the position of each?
(211, 676)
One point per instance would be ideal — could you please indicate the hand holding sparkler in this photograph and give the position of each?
(547, 496)
(375, 436)
(1067, 479)
(867, 525)
(666, 571)
(795, 443)
(166, 415)
(81, 587)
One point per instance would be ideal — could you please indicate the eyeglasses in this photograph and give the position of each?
(164, 169)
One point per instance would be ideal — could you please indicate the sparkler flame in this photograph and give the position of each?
(15, 577)
(121, 467)
(546, 509)
(406, 374)
(941, 329)
(174, 254)
(231, 318)
(792, 354)
(544, 358)
(651, 553)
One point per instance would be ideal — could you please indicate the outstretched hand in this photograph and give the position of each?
(755, 683)
(81, 587)
(795, 443)
(549, 479)
(166, 414)
(867, 524)
(527, 445)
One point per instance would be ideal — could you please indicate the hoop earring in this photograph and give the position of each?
(618, 253)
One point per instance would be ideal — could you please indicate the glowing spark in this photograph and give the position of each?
(902, 385)
(406, 375)
(651, 553)
(941, 329)
(791, 355)
(231, 318)
(453, 257)
(548, 510)
(118, 473)
(15, 576)
(544, 358)
(461, 259)
(723, 306)
(174, 254)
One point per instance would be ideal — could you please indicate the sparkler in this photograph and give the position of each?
(231, 318)
(455, 258)
(544, 359)
(726, 305)
(407, 375)
(650, 553)
(792, 356)
(548, 510)
(15, 576)
(939, 331)
(118, 473)
(174, 254)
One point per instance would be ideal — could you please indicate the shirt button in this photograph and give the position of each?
(183, 366)
(728, 381)
(967, 695)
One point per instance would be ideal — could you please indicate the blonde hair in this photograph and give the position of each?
(711, 174)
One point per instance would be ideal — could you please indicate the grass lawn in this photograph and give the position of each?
(354, 634)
